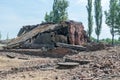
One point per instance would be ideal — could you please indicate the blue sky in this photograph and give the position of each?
(16, 13)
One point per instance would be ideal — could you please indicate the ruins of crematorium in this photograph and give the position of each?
(49, 35)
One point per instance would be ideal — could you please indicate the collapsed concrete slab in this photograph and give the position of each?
(48, 34)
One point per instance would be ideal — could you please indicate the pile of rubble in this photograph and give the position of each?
(68, 34)
(48, 34)
(92, 65)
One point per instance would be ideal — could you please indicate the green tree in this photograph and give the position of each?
(98, 17)
(59, 12)
(90, 18)
(117, 22)
(49, 18)
(117, 30)
(63, 15)
(55, 11)
(111, 17)
(119, 39)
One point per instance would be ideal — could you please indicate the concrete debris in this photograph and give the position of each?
(67, 65)
(92, 65)
(47, 34)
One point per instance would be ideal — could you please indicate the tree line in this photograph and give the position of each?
(59, 13)
(112, 18)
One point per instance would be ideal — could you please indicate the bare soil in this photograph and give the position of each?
(23, 65)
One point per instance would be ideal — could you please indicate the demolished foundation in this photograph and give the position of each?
(48, 34)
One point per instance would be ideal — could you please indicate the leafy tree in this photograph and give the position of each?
(117, 22)
(111, 17)
(90, 18)
(49, 18)
(55, 11)
(93, 39)
(108, 41)
(98, 18)
(119, 39)
(63, 4)
(117, 30)
(59, 12)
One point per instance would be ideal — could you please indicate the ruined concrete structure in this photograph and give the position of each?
(26, 29)
(47, 34)
(77, 34)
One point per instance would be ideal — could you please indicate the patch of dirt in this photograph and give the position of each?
(102, 65)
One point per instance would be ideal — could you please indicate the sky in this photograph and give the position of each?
(17, 13)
